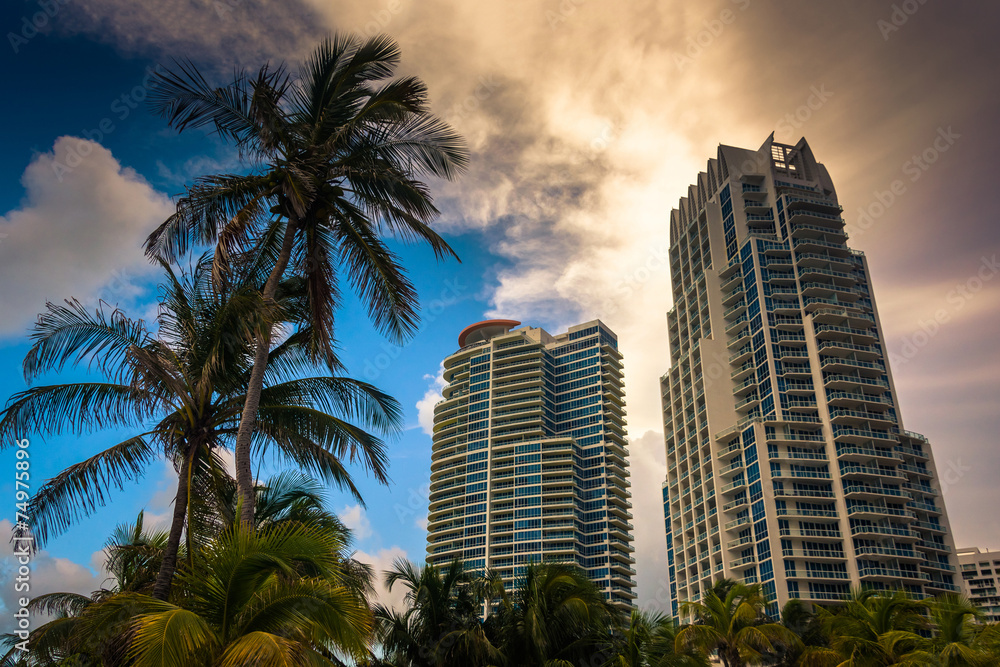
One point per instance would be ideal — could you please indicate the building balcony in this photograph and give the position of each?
(836, 381)
(794, 511)
(883, 573)
(814, 554)
(888, 531)
(804, 493)
(732, 487)
(812, 534)
(881, 552)
(870, 511)
(809, 257)
(841, 364)
(857, 335)
(853, 471)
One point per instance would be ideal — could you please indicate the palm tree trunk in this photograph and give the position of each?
(244, 474)
(164, 578)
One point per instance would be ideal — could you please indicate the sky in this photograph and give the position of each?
(586, 122)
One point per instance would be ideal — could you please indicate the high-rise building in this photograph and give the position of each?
(528, 460)
(787, 460)
(981, 577)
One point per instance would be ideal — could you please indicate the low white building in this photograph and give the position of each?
(981, 578)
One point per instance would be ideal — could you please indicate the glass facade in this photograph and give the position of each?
(788, 464)
(529, 457)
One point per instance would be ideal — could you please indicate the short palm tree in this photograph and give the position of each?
(734, 625)
(801, 620)
(648, 639)
(441, 624)
(133, 561)
(335, 158)
(293, 525)
(958, 634)
(271, 597)
(554, 615)
(873, 629)
(183, 389)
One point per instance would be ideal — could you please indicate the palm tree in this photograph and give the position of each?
(100, 628)
(648, 640)
(873, 629)
(335, 157)
(133, 561)
(260, 597)
(441, 624)
(806, 625)
(183, 389)
(958, 633)
(555, 615)
(735, 626)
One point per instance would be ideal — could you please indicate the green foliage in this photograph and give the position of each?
(730, 620)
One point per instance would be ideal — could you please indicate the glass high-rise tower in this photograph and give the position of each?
(787, 460)
(528, 459)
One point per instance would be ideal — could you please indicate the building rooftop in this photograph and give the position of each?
(485, 330)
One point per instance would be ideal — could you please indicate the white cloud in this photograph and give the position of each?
(49, 574)
(78, 233)
(421, 523)
(425, 406)
(355, 518)
(381, 561)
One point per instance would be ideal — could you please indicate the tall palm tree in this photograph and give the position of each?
(873, 629)
(554, 615)
(335, 155)
(441, 624)
(183, 389)
(735, 626)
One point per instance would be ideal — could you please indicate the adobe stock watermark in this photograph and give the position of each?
(416, 501)
(23, 544)
(913, 169)
(794, 120)
(634, 281)
(564, 10)
(952, 474)
(33, 24)
(898, 17)
(453, 290)
(956, 299)
(121, 108)
(484, 90)
(712, 29)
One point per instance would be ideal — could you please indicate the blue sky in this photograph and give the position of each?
(587, 123)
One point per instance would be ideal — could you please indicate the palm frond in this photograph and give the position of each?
(71, 334)
(85, 486)
(73, 408)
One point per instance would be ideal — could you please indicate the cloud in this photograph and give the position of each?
(381, 561)
(77, 234)
(355, 518)
(425, 406)
(49, 574)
